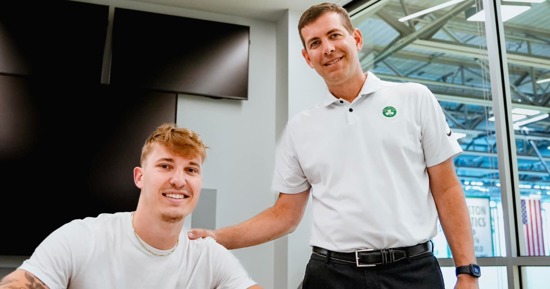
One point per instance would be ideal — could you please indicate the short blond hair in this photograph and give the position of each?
(182, 141)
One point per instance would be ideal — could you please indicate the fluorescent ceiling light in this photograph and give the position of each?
(507, 11)
(525, 111)
(515, 117)
(459, 135)
(543, 80)
(525, 1)
(520, 114)
(453, 2)
(429, 10)
(529, 120)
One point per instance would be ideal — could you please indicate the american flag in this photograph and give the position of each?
(531, 218)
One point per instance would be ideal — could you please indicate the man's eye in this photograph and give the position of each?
(192, 170)
(314, 44)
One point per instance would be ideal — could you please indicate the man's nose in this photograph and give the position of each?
(178, 178)
(328, 48)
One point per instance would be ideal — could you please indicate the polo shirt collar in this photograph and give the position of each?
(372, 84)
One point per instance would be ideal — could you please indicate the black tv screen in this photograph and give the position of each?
(68, 151)
(180, 54)
(55, 41)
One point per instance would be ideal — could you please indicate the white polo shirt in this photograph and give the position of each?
(366, 163)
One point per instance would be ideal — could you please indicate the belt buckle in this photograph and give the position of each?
(357, 258)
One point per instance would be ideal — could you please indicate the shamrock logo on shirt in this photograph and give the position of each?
(389, 111)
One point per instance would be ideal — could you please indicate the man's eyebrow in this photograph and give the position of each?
(327, 33)
(311, 39)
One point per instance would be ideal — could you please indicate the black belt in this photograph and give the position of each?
(371, 257)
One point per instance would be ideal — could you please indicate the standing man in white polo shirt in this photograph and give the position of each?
(376, 158)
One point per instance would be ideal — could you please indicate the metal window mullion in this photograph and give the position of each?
(504, 131)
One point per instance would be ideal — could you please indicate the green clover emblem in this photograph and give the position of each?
(389, 111)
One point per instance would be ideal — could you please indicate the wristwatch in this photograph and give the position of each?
(472, 270)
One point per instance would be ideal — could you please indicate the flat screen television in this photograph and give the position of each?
(56, 41)
(68, 152)
(180, 54)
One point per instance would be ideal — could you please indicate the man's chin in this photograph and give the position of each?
(172, 217)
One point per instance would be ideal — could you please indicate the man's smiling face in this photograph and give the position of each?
(169, 182)
(330, 49)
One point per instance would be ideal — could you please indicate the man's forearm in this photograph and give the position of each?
(260, 229)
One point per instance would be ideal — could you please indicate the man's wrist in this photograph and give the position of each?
(472, 269)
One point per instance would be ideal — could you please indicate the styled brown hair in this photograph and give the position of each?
(182, 141)
(315, 11)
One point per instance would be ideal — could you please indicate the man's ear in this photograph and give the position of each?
(138, 174)
(306, 57)
(358, 39)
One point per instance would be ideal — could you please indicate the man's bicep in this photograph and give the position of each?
(21, 279)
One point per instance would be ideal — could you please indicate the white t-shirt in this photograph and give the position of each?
(366, 163)
(103, 252)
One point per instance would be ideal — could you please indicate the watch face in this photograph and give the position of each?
(475, 270)
(472, 270)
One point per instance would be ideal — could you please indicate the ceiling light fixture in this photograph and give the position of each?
(515, 117)
(508, 11)
(525, 1)
(459, 135)
(543, 80)
(525, 111)
(529, 120)
(519, 114)
(429, 10)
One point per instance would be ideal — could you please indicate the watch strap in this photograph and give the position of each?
(471, 269)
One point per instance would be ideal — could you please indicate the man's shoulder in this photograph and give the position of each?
(103, 221)
(205, 246)
(105, 217)
(403, 85)
(310, 111)
(404, 89)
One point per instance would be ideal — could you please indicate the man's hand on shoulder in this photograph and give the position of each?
(194, 234)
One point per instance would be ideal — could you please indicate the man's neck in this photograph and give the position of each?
(350, 89)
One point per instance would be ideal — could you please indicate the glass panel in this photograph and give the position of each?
(432, 42)
(491, 278)
(443, 51)
(536, 277)
(528, 54)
